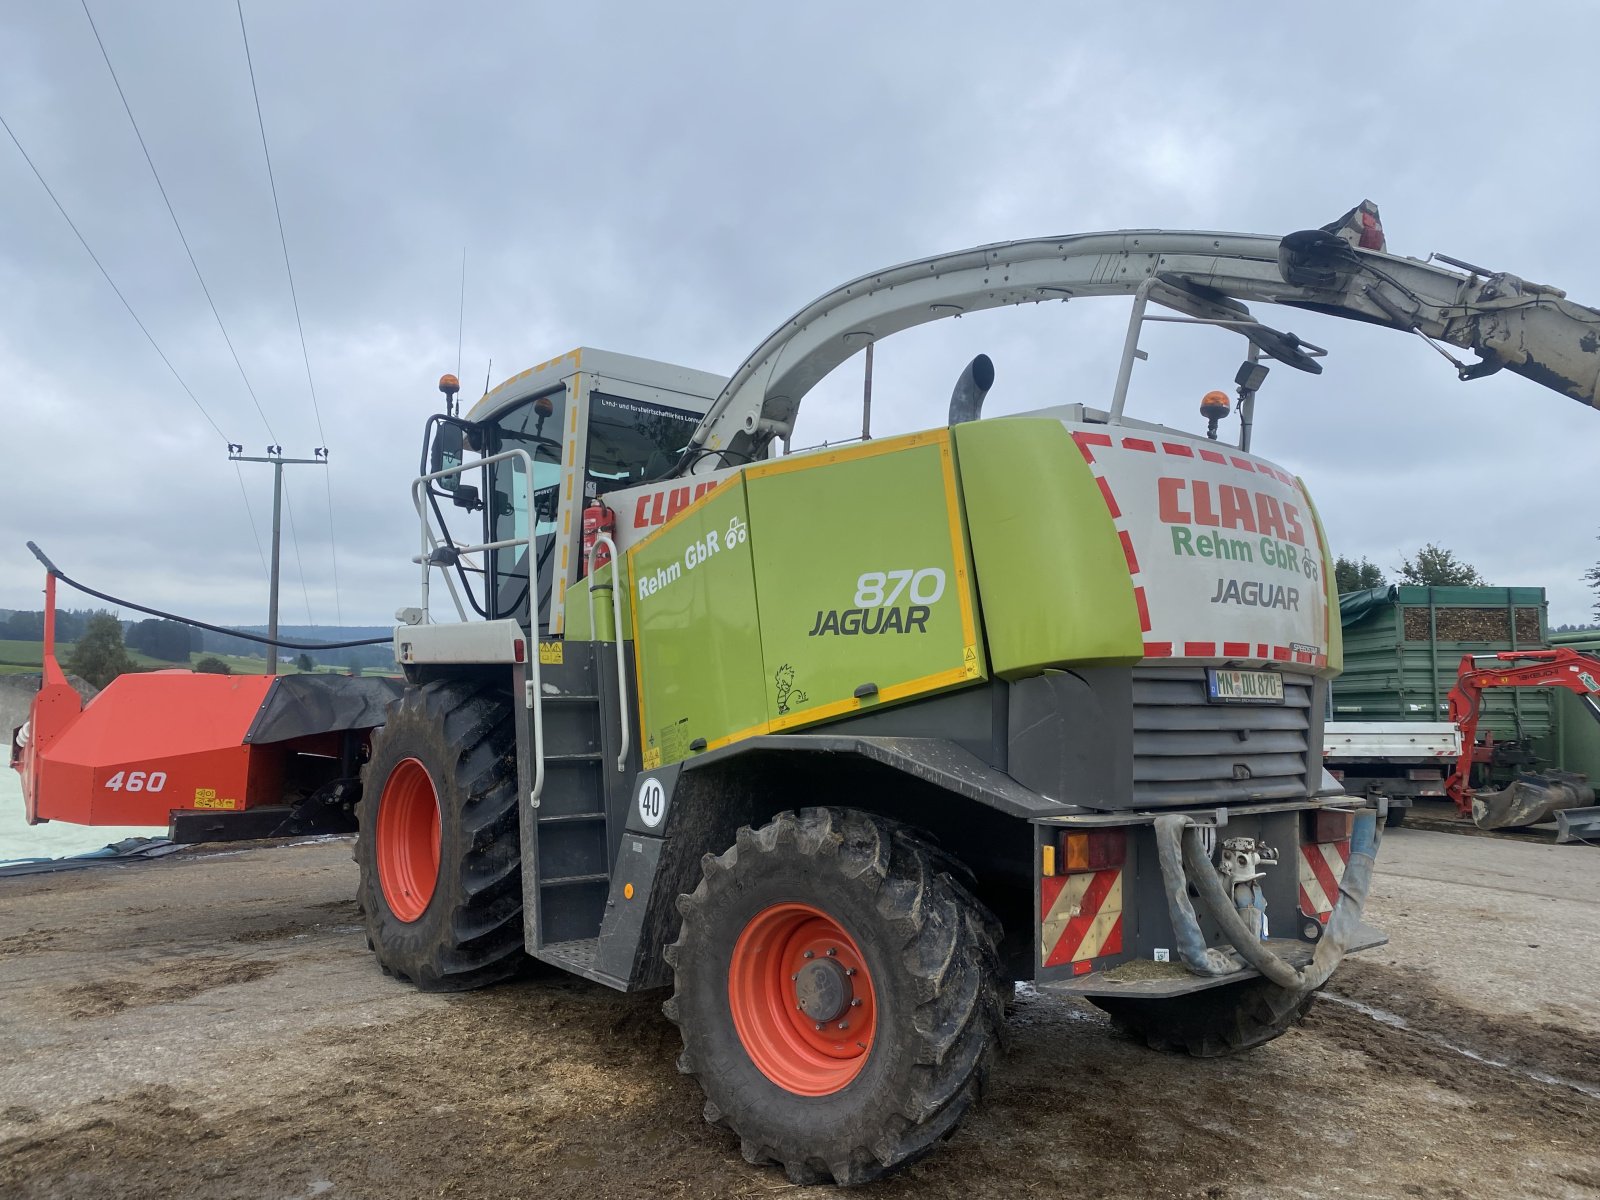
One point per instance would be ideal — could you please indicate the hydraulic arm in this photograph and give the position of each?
(1529, 799)
(1342, 269)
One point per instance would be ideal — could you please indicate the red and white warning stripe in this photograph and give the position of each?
(1080, 917)
(1321, 869)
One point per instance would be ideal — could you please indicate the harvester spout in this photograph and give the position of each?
(966, 402)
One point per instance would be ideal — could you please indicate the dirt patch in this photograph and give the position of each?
(274, 934)
(161, 985)
(30, 942)
(557, 1087)
(1528, 1044)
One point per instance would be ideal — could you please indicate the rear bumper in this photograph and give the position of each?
(1164, 919)
(1147, 980)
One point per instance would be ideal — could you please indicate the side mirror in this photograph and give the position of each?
(448, 443)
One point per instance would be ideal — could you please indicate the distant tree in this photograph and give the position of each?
(212, 665)
(1435, 566)
(305, 664)
(99, 655)
(1592, 578)
(1353, 576)
(167, 640)
(24, 627)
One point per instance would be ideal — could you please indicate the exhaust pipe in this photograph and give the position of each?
(966, 402)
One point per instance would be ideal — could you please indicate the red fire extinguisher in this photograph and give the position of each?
(597, 519)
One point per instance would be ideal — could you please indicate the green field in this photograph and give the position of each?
(19, 658)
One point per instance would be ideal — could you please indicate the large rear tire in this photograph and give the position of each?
(1213, 1023)
(439, 847)
(838, 993)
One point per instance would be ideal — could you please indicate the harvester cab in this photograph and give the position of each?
(1053, 713)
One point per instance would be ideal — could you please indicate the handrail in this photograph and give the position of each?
(616, 634)
(429, 543)
(533, 691)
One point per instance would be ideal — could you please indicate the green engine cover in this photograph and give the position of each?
(804, 589)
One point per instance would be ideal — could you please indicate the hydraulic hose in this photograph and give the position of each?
(1196, 869)
(166, 616)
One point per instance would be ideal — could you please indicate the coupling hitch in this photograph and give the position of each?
(1185, 862)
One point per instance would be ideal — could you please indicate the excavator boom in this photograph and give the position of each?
(1530, 798)
(1341, 269)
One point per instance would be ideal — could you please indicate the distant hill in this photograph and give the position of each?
(165, 641)
(381, 655)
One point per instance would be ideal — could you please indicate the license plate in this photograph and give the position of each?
(1243, 687)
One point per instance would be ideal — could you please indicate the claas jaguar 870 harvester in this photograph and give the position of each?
(838, 745)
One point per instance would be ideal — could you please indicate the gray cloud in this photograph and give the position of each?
(673, 181)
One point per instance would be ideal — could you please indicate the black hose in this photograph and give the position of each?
(166, 616)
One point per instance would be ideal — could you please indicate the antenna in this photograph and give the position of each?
(461, 313)
(487, 371)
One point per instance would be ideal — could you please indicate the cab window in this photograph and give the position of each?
(633, 441)
(523, 508)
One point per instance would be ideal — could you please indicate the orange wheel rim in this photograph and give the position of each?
(802, 999)
(408, 840)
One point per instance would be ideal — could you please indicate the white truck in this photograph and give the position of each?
(1399, 760)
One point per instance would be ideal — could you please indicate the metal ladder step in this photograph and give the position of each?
(570, 818)
(580, 956)
(586, 756)
(569, 880)
(570, 698)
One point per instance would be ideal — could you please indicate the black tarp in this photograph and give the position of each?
(299, 705)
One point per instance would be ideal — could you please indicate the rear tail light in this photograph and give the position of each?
(1093, 851)
(1326, 826)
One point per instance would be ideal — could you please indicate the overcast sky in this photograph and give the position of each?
(672, 181)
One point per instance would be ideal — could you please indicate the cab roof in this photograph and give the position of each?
(692, 389)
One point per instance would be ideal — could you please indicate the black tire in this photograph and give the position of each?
(1395, 816)
(1213, 1023)
(930, 951)
(470, 933)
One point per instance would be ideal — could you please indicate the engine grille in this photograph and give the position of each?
(1188, 751)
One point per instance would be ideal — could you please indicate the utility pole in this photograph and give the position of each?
(278, 461)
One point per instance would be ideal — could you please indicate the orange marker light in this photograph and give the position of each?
(627, 891)
(1096, 851)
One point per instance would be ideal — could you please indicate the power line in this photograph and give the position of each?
(171, 212)
(283, 240)
(84, 242)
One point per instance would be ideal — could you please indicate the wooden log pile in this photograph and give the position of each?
(1474, 625)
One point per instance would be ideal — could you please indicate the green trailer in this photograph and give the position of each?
(1404, 644)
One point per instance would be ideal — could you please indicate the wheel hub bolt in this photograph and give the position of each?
(809, 954)
(833, 951)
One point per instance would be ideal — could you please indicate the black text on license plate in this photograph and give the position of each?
(1243, 687)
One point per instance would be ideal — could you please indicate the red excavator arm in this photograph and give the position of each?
(1561, 667)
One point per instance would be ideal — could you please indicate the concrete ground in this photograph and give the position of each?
(214, 1026)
